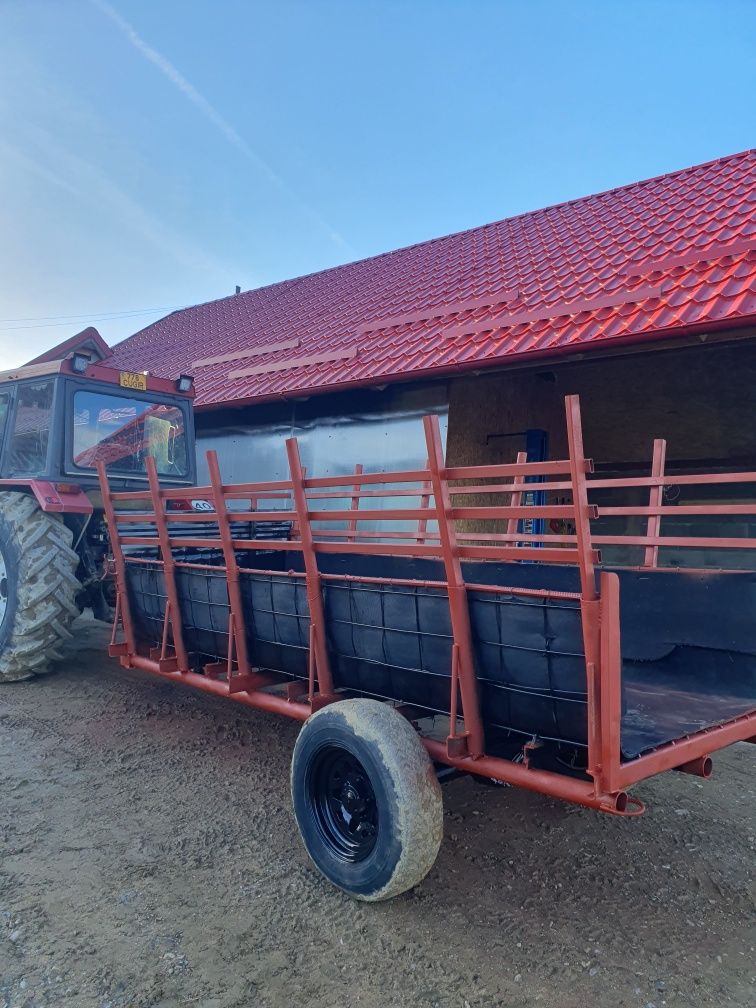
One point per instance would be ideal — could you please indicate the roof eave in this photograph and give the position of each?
(492, 363)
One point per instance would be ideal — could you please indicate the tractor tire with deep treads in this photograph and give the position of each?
(366, 799)
(38, 587)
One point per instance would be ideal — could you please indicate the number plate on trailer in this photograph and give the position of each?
(130, 379)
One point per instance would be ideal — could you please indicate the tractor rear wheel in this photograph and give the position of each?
(366, 799)
(38, 587)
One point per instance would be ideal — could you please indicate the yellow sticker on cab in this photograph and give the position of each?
(132, 380)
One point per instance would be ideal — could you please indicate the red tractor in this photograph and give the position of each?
(58, 419)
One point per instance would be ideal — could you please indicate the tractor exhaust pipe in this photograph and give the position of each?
(700, 767)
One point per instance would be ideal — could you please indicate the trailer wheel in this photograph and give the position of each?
(366, 799)
(38, 587)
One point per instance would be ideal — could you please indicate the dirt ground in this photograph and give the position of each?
(150, 858)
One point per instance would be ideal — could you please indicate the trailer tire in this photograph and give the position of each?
(366, 799)
(38, 587)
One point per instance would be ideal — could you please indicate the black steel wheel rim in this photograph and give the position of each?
(343, 804)
(4, 590)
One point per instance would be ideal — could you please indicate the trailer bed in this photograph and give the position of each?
(688, 639)
(436, 590)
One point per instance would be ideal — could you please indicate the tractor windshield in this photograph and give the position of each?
(122, 432)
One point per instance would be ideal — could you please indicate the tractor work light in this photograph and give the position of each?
(80, 363)
(184, 383)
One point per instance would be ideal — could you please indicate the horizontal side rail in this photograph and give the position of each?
(681, 542)
(460, 488)
(508, 488)
(382, 514)
(521, 511)
(681, 509)
(376, 534)
(133, 495)
(557, 468)
(234, 491)
(367, 579)
(686, 479)
(206, 492)
(481, 513)
(517, 552)
(212, 544)
(348, 480)
(544, 555)
(197, 517)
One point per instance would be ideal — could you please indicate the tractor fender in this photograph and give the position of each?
(49, 498)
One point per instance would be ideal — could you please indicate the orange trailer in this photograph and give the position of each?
(419, 629)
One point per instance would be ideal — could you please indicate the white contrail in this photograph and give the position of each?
(64, 168)
(38, 169)
(210, 112)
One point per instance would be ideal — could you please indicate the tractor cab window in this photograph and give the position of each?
(4, 404)
(122, 432)
(31, 431)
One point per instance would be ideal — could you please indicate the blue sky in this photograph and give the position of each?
(154, 153)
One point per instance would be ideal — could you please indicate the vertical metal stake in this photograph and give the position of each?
(458, 605)
(169, 567)
(422, 523)
(123, 607)
(237, 638)
(611, 681)
(590, 610)
(312, 574)
(655, 497)
(516, 499)
(356, 488)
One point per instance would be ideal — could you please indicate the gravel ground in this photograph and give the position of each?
(150, 858)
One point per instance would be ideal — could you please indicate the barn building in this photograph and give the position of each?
(642, 300)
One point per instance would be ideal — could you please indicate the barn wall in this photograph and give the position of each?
(379, 428)
(489, 415)
(701, 399)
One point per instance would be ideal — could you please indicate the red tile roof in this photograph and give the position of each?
(648, 260)
(87, 341)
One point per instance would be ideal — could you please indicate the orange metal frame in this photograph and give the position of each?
(435, 532)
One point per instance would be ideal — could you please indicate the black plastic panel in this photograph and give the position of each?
(688, 639)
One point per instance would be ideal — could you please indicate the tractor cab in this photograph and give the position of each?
(59, 419)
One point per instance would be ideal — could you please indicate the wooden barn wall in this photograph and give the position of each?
(701, 399)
